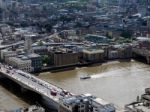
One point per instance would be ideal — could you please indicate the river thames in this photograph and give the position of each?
(9, 101)
(116, 82)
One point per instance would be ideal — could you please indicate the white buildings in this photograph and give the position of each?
(28, 44)
(21, 63)
(4, 54)
(93, 55)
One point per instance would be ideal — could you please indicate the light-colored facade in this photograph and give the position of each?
(93, 55)
(28, 44)
(5, 54)
(20, 63)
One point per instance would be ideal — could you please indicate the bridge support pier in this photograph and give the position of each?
(148, 60)
(23, 90)
(1, 76)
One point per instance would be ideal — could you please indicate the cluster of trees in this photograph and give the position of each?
(46, 59)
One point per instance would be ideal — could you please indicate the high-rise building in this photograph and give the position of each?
(3, 4)
(148, 26)
(28, 44)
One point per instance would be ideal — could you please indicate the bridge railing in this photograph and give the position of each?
(35, 83)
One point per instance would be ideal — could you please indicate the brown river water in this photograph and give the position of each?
(9, 101)
(116, 82)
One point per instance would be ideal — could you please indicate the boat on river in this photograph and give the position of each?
(85, 77)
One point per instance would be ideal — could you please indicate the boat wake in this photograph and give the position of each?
(104, 75)
(117, 73)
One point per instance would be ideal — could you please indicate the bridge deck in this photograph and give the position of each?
(32, 82)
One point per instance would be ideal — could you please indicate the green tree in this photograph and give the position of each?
(40, 43)
(46, 59)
